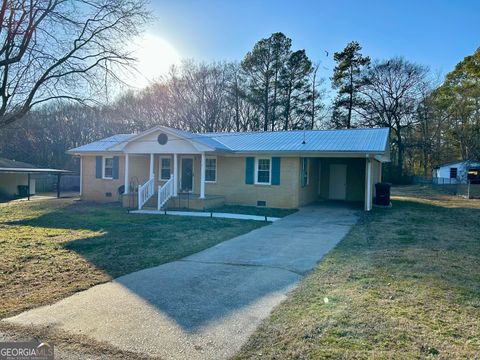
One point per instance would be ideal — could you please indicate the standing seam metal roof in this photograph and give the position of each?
(354, 140)
(351, 140)
(103, 144)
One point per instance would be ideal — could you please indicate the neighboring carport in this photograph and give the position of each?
(15, 173)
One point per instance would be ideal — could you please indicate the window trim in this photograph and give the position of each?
(104, 158)
(256, 182)
(216, 168)
(453, 170)
(160, 178)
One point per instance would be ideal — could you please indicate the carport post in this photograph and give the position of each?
(126, 182)
(28, 186)
(202, 177)
(368, 183)
(58, 185)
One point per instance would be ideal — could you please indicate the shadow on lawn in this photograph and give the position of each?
(425, 243)
(194, 294)
(191, 294)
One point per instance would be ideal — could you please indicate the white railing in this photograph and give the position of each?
(145, 192)
(165, 192)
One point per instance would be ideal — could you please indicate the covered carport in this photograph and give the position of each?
(15, 173)
(350, 178)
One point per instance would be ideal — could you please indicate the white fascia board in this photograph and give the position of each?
(383, 158)
(198, 146)
(97, 153)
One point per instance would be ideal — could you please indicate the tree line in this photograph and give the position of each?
(430, 122)
(274, 88)
(277, 88)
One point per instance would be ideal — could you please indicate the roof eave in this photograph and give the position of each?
(33, 170)
(311, 152)
(91, 152)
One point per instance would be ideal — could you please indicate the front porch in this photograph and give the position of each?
(166, 180)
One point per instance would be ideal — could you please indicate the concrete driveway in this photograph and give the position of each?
(204, 306)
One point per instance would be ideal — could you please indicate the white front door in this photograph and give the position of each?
(338, 182)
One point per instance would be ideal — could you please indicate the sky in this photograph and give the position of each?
(437, 34)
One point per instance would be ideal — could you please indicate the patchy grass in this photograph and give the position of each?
(51, 249)
(404, 283)
(253, 210)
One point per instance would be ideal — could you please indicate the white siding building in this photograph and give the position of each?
(458, 172)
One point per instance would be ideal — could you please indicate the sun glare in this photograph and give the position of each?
(154, 57)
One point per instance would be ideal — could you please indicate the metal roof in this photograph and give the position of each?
(468, 162)
(204, 139)
(7, 163)
(13, 166)
(328, 141)
(33, 170)
(103, 144)
(352, 140)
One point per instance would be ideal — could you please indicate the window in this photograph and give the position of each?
(210, 169)
(263, 171)
(453, 173)
(165, 168)
(108, 167)
(305, 172)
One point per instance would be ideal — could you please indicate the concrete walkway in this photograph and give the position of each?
(204, 306)
(207, 214)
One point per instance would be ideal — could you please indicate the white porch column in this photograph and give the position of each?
(175, 174)
(202, 177)
(81, 177)
(127, 185)
(368, 201)
(151, 166)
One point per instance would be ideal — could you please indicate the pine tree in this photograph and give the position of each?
(347, 79)
(263, 66)
(295, 87)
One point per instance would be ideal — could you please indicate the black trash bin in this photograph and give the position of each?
(382, 192)
(23, 190)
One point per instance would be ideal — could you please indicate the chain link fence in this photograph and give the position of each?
(469, 190)
(451, 186)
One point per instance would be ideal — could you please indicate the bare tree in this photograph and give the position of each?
(393, 90)
(199, 96)
(62, 49)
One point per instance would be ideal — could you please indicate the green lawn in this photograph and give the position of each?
(51, 249)
(404, 284)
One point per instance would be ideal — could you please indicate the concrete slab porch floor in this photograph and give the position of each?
(204, 306)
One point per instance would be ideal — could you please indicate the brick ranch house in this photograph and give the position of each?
(284, 169)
